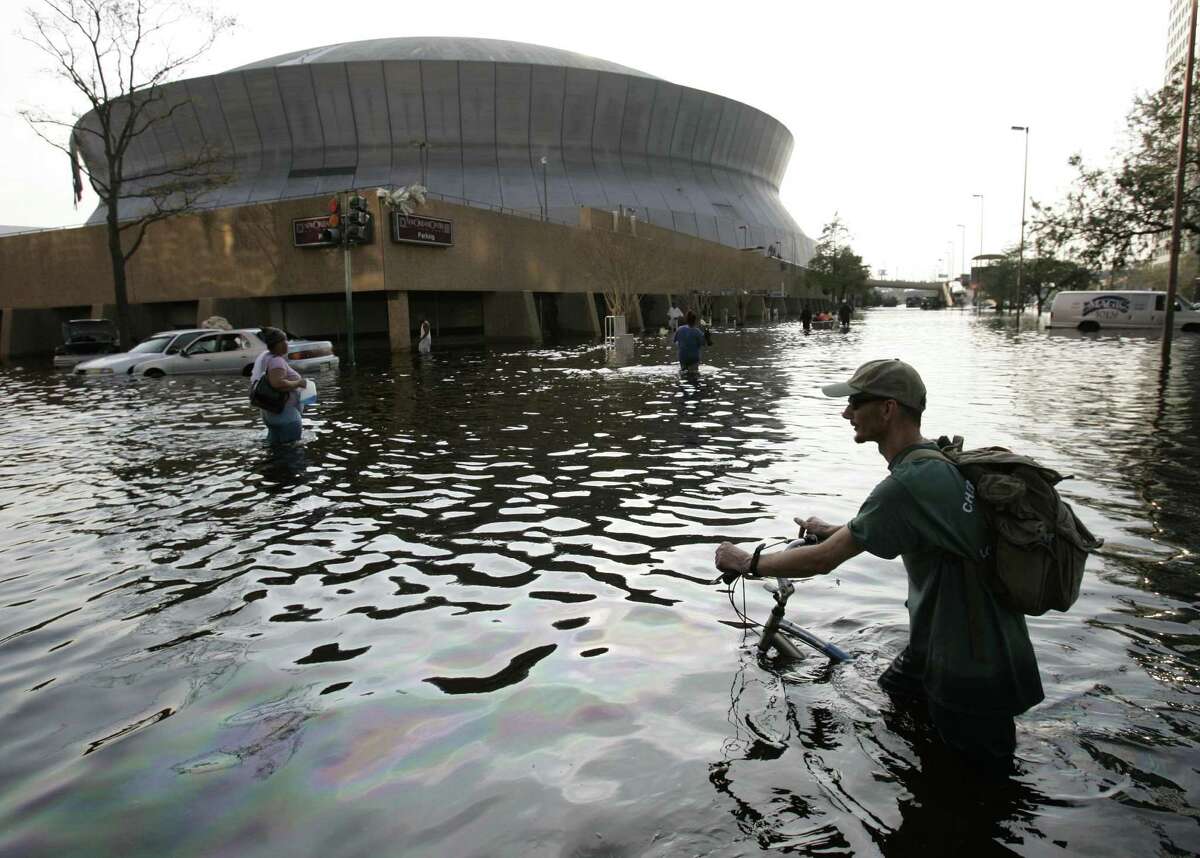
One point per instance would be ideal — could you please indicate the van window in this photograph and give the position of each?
(1160, 302)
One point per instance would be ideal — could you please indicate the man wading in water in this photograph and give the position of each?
(925, 512)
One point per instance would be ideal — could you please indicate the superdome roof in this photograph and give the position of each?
(444, 48)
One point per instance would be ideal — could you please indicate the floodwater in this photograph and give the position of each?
(467, 615)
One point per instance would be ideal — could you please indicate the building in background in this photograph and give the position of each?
(534, 158)
(516, 126)
(1178, 18)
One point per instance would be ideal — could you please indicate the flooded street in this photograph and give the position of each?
(468, 615)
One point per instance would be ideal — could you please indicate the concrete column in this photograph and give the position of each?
(399, 325)
(511, 317)
(97, 311)
(6, 322)
(633, 321)
(577, 314)
(274, 312)
(205, 307)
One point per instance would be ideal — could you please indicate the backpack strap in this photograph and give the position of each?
(974, 576)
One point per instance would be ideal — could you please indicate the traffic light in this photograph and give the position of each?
(333, 232)
(358, 220)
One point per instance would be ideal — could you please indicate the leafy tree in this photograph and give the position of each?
(834, 267)
(1044, 275)
(119, 54)
(1118, 215)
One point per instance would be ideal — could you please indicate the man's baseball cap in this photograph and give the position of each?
(890, 379)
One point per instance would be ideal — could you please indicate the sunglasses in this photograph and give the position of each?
(857, 400)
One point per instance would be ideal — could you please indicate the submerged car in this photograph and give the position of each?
(234, 352)
(208, 352)
(154, 346)
(85, 339)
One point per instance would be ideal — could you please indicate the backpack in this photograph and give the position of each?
(1040, 546)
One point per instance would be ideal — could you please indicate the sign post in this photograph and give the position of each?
(349, 305)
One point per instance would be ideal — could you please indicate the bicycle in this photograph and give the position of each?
(777, 631)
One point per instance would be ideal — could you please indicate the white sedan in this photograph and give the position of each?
(234, 352)
(204, 350)
(151, 348)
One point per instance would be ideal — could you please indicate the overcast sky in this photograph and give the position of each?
(900, 110)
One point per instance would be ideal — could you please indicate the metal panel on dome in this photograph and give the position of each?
(406, 117)
(547, 86)
(216, 142)
(243, 134)
(299, 100)
(263, 90)
(518, 186)
(443, 133)
(606, 140)
(336, 112)
(579, 116)
(635, 132)
(371, 124)
(663, 119)
(477, 105)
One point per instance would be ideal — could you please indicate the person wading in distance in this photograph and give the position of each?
(690, 339)
(969, 664)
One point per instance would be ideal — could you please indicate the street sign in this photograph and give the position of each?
(306, 231)
(414, 229)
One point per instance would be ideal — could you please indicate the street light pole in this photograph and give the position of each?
(980, 198)
(1024, 190)
(1176, 217)
(545, 198)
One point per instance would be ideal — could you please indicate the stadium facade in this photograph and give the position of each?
(516, 126)
(534, 158)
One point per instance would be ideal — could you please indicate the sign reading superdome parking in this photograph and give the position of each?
(306, 232)
(1106, 307)
(415, 229)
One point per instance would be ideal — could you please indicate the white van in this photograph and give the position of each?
(1091, 311)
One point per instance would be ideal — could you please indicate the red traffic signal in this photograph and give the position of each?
(333, 205)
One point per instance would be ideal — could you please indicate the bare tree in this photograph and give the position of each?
(119, 54)
(624, 267)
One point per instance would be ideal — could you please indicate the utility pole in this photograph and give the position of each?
(1185, 119)
(1024, 191)
(349, 298)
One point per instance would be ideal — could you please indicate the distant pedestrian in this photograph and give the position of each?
(285, 425)
(425, 343)
(690, 339)
(806, 317)
(673, 317)
(845, 313)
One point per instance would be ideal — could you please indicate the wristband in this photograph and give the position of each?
(753, 570)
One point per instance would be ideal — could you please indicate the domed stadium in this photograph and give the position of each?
(515, 126)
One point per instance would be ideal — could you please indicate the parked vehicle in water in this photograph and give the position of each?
(154, 346)
(1095, 310)
(84, 339)
(207, 351)
(234, 352)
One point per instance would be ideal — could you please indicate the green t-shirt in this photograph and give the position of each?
(925, 512)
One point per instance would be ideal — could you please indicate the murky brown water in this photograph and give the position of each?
(465, 617)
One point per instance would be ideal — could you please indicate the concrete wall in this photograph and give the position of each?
(240, 263)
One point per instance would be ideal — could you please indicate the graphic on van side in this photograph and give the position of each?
(1106, 306)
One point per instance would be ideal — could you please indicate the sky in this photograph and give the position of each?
(901, 112)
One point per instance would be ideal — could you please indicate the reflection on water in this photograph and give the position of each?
(467, 615)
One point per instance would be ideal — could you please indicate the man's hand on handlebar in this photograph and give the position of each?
(822, 530)
(732, 560)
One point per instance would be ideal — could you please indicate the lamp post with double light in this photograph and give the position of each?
(1024, 190)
